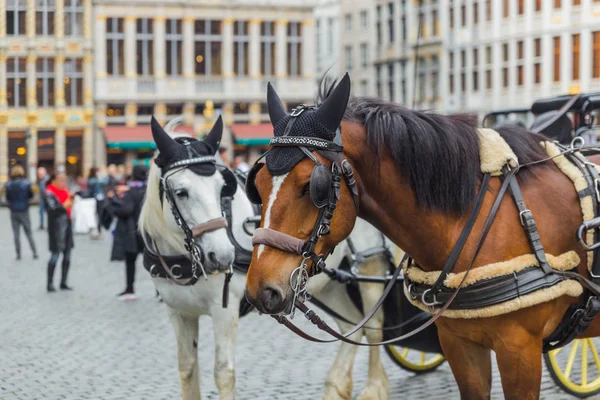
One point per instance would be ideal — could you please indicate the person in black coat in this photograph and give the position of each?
(126, 204)
(18, 195)
(58, 201)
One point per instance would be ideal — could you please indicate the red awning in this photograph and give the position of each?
(134, 137)
(252, 134)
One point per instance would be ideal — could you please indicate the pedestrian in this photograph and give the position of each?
(125, 204)
(96, 191)
(42, 176)
(18, 194)
(240, 164)
(60, 233)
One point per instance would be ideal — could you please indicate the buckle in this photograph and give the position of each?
(522, 216)
(298, 110)
(427, 303)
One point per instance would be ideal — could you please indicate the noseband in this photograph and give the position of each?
(325, 186)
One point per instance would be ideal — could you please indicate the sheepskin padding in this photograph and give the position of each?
(568, 288)
(576, 176)
(563, 262)
(494, 152)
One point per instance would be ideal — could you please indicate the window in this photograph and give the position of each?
(557, 4)
(421, 25)
(475, 12)
(475, 69)
(44, 81)
(575, 44)
(348, 22)
(174, 39)
(174, 109)
(403, 97)
(463, 59)
(115, 110)
(404, 29)
(390, 69)
(451, 77)
(241, 41)
(596, 54)
(556, 47)
(422, 80)
(538, 5)
(364, 87)
(145, 109)
(364, 20)
(576, 2)
(44, 17)
(520, 75)
(330, 25)
(520, 50)
(434, 27)
(463, 15)
(505, 77)
(115, 43)
(363, 55)
(16, 17)
(488, 10)
(537, 46)
(16, 73)
(451, 16)
(207, 47)
(537, 66)
(537, 70)
(435, 82)
(73, 17)
(74, 82)
(378, 81)
(267, 48)
(488, 79)
(348, 55)
(391, 21)
(506, 9)
(378, 27)
(488, 55)
(294, 48)
(144, 43)
(521, 7)
(505, 52)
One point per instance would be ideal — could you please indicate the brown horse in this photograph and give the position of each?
(417, 175)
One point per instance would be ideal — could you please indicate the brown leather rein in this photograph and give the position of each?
(284, 242)
(197, 231)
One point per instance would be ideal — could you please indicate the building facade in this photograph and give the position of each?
(46, 79)
(508, 53)
(327, 38)
(198, 59)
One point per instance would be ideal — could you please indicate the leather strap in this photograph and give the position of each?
(209, 226)
(278, 240)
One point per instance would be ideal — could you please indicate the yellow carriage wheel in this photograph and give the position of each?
(576, 367)
(414, 360)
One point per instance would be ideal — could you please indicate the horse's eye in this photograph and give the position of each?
(182, 193)
(305, 190)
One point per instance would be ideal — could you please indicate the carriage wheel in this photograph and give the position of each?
(414, 360)
(576, 367)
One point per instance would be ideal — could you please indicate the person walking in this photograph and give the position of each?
(42, 180)
(96, 191)
(60, 233)
(18, 194)
(125, 204)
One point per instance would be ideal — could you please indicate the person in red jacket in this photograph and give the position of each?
(59, 202)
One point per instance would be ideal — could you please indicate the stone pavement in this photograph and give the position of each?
(87, 345)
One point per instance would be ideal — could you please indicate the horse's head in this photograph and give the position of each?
(183, 202)
(308, 196)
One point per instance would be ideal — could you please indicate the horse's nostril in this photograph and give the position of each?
(272, 299)
(212, 257)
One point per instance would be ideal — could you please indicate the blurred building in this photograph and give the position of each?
(508, 53)
(327, 38)
(46, 105)
(473, 56)
(198, 59)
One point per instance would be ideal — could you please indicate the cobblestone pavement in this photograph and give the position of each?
(87, 345)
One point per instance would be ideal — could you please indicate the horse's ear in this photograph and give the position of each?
(163, 141)
(276, 109)
(213, 139)
(331, 111)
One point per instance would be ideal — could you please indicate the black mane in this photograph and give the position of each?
(439, 154)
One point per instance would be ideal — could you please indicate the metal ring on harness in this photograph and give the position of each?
(177, 275)
(153, 272)
(427, 303)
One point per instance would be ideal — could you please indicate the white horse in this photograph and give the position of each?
(198, 198)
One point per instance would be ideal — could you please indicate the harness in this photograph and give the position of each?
(490, 291)
(187, 270)
(324, 184)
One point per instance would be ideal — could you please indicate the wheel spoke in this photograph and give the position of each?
(595, 353)
(422, 358)
(571, 358)
(555, 353)
(584, 350)
(405, 352)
